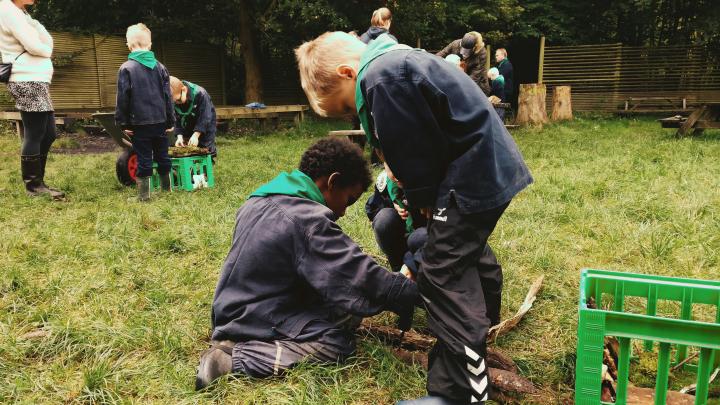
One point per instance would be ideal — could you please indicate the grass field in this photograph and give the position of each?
(120, 291)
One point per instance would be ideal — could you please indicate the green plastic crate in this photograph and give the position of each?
(183, 169)
(677, 333)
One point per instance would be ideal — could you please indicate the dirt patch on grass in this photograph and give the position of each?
(75, 143)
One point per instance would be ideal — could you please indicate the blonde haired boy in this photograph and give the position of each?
(144, 108)
(456, 162)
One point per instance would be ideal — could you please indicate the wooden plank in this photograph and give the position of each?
(349, 132)
(542, 60)
(690, 123)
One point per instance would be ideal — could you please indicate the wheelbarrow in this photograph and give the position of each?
(127, 162)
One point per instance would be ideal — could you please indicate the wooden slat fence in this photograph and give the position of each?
(603, 77)
(86, 70)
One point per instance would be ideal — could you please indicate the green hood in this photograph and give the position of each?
(500, 79)
(145, 58)
(295, 184)
(377, 47)
(192, 88)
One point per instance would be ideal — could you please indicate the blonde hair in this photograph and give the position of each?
(502, 51)
(380, 17)
(318, 61)
(176, 85)
(479, 44)
(138, 36)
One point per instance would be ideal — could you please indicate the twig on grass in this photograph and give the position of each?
(506, 325)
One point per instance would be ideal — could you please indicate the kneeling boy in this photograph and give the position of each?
(195, 116)
(293, 280)
(456, 161)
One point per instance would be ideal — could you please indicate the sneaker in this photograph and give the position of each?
(215, 362)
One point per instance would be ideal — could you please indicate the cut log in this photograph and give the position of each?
(562, 104)
(531, 105)
(505, 384)
(413, 341)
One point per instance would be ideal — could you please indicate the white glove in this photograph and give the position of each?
(180, 141)
(194, 139)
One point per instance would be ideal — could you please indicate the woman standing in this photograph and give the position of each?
(379, 24)
(26, 44)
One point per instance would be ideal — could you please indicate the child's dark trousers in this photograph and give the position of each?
(461, 284)
(151, 143)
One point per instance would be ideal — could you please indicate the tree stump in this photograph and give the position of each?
(562, 104)
(531, 104)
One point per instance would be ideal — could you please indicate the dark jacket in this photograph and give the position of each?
(439, 133)
(374, 32)
(498, 89)
(381, 199)
(474, 64)
(143, 96)
(201, 119)
(290, 264)
(506, 69)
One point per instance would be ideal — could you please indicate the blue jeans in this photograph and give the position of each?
(151, 143)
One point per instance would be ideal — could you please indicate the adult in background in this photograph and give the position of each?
(379, 24)
(472, 49)
(26, 44)
(505, 68)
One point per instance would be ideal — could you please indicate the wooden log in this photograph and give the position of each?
(562, 104)
(531, 105)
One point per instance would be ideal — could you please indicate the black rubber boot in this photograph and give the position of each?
(143, 185)
(55, 194)
(165, 182)
(215, 362)
(32, 168)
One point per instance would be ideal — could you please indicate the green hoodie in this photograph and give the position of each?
(145, 58)
(377, 47)
(295, 184)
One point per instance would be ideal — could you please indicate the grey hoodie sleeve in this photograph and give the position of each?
(346, 277)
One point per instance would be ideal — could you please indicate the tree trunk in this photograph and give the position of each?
(531, 105)
(251, 60)
(562, 104)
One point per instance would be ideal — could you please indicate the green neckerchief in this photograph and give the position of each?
(295, 184)
(500, 79)
(145, 58)
(501, 62)
(394, 192)
(377, 47)
(192, 87)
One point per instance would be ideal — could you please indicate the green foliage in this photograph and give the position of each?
(121, 291)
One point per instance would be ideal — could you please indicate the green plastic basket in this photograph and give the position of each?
(183, 171)
(677, 333)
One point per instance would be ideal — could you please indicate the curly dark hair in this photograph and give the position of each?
(330, 155)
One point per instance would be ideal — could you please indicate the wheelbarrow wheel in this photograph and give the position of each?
(125, 167)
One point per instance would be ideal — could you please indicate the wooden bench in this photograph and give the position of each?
(706, 116)
(650, 105)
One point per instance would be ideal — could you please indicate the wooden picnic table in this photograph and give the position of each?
(705, 116)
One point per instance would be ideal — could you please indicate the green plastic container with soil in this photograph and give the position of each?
(126, 163)
(638, 330)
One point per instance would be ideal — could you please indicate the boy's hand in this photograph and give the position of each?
(401, 211)
(169, 130)
(405, 271)
(180, 141)
(128, 132)
(194, 139)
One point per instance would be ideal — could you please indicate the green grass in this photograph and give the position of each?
(124, 289)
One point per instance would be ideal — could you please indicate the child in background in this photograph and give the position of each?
(497, 95)
(194, 115)
(379, 24)
(456, 162)
(456, 60)
(144, 108)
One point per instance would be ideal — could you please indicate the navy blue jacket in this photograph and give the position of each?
(506, 69)
(201, 119)
(439, 133)
(374, 32)
(291, 268)
(143, 96)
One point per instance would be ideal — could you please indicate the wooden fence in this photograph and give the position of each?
(86, 69)
(605, 77)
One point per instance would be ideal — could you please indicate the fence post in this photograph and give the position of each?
(487, 59)
(542, 60)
